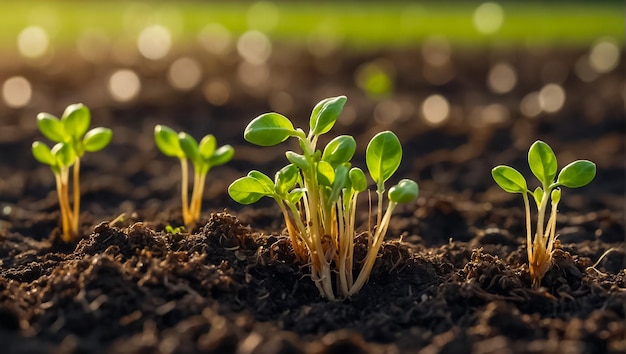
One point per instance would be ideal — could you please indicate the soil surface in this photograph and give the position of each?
(451, 277)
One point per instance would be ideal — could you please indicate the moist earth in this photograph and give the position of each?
(450, 278)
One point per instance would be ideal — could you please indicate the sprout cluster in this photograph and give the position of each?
(543, 164)
(317, 193)
(72, 141)
(203, 156)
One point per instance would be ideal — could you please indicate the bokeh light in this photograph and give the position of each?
(488, 18)
(124, 85)
(529, 106)
(604, 56)
(184, 73)
(502, 78)
(551, 98)
(376, 78)
(16, 92)
(254, 47)
(33, 42)
(435, 109)
(154, 42)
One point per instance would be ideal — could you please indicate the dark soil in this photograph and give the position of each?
(451, 277)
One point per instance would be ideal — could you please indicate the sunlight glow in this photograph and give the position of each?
(124, 85)
(154, 42)
(16, 92)
(435, 109)
(33, 42)
(488, 18)
(184, 73)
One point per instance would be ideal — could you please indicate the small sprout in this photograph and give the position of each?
(72, 141)
(317, 193)
(174, 230)
(543, 164)
(203, 156)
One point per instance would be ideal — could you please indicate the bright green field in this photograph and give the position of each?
(370, 24)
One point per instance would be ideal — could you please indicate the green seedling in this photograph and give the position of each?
(317, 193)
(543, 164)
(72, 141)
(203, 156)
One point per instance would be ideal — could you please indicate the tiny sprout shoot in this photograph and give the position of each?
(543, 164)
(72, 141)
(203, 156)
(317, 193)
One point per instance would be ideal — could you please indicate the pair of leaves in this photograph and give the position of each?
(182, 145)
(543, 164)
(256, 185)
(273, 128)
(61, 155)
(72, 128)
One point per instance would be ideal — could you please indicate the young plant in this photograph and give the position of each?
(317, 193)
(72, 141)
(543, 164)
(203, 156)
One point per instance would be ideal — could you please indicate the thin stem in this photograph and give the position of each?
(198, 181)
(372, 253)
(76, 191)
(183, 190)
(66, 212)
(529, 239)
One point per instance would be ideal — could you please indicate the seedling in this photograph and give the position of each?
(317, 193)
(72, 141)
(543, 164)
(203, 156)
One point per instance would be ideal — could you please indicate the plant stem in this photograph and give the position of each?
(183, 190)
(76, 191)
(372, 252)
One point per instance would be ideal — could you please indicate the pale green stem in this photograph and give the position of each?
(372, 253)
(76, 191)
(183, 190)
(529, 239)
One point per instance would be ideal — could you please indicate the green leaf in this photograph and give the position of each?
(247, 190)
(404, 192)
(509, 179)
(383, 156)
(96, 139)
(167, 141)
(269, 129)
(542, 162)
(341, 179)
(285, 179)
(577, 174)
(51, 127)
(339, 150)
(358, 181)
(325, 114)
(266, 182)
(42, 153)
(295, 195)
(76, 120)
(325, 173)
(222, 155)
(299, 160)
(538, 195)
(189, 146)
(207, 146)
(63, 154)
(555, 196)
